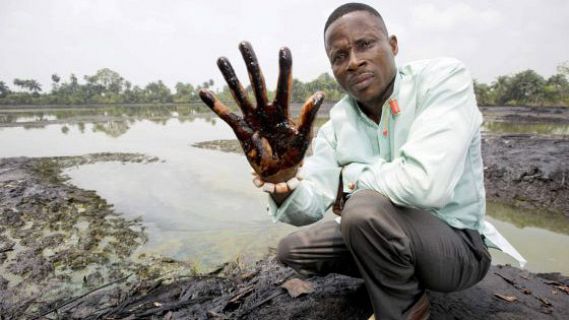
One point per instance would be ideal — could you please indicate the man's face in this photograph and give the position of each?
(361, 55)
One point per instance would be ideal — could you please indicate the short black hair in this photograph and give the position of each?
(351, 7)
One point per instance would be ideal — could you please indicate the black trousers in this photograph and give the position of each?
(399, 252)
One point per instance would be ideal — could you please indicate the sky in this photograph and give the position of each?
(174, 40)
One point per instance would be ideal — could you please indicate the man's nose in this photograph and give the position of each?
(355, 61)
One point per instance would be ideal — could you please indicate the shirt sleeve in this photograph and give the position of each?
(317, 191)
(431, 162)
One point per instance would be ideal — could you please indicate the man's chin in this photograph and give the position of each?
(368, 96)
(365, 97)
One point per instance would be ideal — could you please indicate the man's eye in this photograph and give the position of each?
(364, 44)
(338, 57)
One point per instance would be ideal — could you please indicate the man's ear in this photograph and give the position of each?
(394, 45)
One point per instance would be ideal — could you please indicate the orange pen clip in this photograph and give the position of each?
(394, 106)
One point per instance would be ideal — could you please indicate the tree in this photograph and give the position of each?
(69, 92)
(326, 83)
(55, 78)
(184, 92)
(105, 86)
(556, 89)
(563, 68)
(4, 90)
(500, 89)
(111, 81)
(299, 92)
(483, 94)
(30, 85)
(526, 87)
(157, 92)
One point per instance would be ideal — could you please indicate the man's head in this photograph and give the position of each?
(361, 52)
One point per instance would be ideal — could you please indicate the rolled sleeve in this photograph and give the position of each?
(297, 209)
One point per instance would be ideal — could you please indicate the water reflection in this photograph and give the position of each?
(111, 128)
(115, 119)
(524, 218)
(520, 127)
(9, 116)
(541, 238)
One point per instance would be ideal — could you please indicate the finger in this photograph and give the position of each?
(234, 85)
(285, 80)
(258, 181)
(269, 187)
(308, 112)
(233, 120)
(281, 187)
(255, 74)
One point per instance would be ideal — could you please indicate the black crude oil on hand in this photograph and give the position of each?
(273, 143)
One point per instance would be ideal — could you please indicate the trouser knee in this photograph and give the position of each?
(364, 211)
(369, 224)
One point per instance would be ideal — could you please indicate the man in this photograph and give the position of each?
(403, 147)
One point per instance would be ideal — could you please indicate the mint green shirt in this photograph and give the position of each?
(427, 156)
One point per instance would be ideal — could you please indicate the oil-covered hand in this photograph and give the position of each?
(273, 143)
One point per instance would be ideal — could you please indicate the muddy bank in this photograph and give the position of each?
(524, 170)
(256, 291)
(526, 114)
(57, 240)
(528, 171)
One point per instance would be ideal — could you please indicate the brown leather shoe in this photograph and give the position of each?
(421, 309)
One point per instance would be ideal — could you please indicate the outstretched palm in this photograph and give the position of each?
(274, 144)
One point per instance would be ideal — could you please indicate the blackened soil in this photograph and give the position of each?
(255, 292)
(529, 171)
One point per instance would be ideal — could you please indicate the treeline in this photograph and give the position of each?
(109, 87)
(526, 88)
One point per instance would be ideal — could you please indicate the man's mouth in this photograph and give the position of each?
(361, 81)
